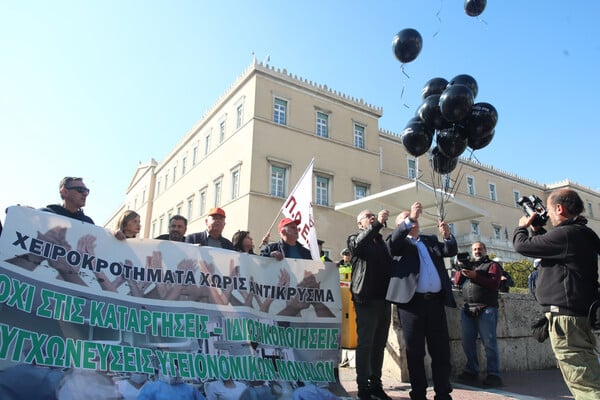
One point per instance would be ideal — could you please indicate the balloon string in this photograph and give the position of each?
(403, 87)
(437, 15)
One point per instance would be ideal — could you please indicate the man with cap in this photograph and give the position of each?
(321, 252)
(213, 235)
(288, 246)
(346, 257)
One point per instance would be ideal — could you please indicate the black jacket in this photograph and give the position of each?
(483, 289)
(407, 265)
(166, 236)
(201, 238)
(568, 272)
(283, 247)
(371, 264)
(60, 210)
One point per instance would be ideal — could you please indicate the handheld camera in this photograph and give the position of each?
(533, 205)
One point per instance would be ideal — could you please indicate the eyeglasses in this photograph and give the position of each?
(79, 189)
(368, 216)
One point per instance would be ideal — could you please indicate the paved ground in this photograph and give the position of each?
(524, 385)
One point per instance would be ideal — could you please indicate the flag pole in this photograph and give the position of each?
(308, 168)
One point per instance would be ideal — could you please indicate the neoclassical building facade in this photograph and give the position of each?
(249, 150)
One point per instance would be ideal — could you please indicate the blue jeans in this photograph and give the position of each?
(485, 327)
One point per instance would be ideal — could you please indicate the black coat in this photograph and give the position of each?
(568, 272)
(284, 248)
(201, 238)
(371, 264)
(406, 264)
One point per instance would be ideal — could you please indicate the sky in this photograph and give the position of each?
(93, 88)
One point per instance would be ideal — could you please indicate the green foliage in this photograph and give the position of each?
(519, 270)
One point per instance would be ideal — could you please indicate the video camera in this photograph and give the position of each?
(533, 205)
(463, 261)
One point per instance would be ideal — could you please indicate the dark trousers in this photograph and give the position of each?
(424, 321)
(372, 325)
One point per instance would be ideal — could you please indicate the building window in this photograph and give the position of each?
(190, 208)
(160, 224)
(412, 168)
(475, 228)
(183, 166)
(590, 209)
(278, 181)
(360, 191)
(154, 229)
(322, 124)
(280, 112)
(452, 228)
(322, 191)
(218, 185)
(471, 185)
(169, 215)
(144, 196)
(516, 196)
(206, 144)
(492, 187)
(359, 136)
(497, 232)
(239, 116)
(221, 131)
(202, 208)
(235, 184)
(174, 173)
(195, 155)
(166, 181)
(157, 188)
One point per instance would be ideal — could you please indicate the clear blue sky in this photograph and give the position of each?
(92, 88)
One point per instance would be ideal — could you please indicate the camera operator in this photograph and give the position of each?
(567, 284)
(479, 280)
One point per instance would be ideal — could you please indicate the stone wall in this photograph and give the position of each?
(519, 351)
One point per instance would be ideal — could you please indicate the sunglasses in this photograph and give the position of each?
(79, 189)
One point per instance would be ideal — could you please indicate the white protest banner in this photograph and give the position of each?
(299, 205)
(73, 297)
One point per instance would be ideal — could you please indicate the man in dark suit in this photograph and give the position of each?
(421, 287)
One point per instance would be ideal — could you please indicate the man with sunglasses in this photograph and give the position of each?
(73, 192)
(371, 271)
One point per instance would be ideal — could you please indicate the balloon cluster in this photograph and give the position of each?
(450, 115)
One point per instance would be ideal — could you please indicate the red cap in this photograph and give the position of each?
(287, 221)
(216, 211)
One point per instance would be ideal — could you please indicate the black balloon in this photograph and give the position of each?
(479, 142)
(456, 102)
(416, 137)
(451, 142)
(440, 163)
(434, 86)
(482, 120)
(474, 8)
(407, 45)
(430, 113)
(466, 80)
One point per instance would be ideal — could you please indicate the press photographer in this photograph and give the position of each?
(567, 287)
(479, 280)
